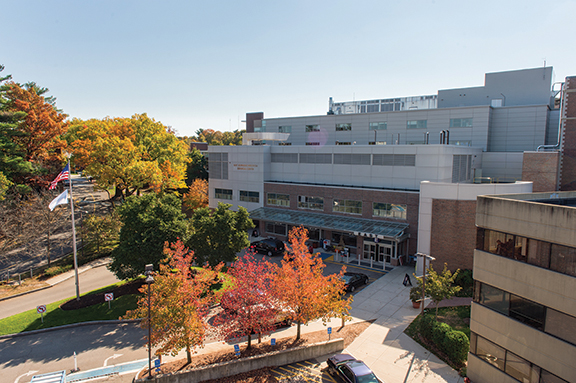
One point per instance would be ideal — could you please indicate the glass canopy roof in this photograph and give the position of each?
(359, 226)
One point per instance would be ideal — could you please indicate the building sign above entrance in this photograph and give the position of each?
(249, 167)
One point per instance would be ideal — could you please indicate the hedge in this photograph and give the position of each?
(455, 344)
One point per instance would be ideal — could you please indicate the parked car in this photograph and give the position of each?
(353, 280)
(268, 246)
(350, 370)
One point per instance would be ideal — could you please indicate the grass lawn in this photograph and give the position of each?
(55, 316)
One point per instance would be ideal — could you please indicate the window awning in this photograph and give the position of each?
(359, 226)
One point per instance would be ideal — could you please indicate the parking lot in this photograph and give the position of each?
(306, 371)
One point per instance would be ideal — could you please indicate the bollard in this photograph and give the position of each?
(30, 273)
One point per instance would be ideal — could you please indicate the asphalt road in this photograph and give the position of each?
(95, 346)
(89, 280)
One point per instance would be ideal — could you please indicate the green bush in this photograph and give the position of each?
(52, 271)
(439, 331)
(465, 280)
(426, 325)
(456, 345)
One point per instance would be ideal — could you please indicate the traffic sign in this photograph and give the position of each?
(237, 350)
(273, 341)
(329, 330)
(108, 297)
(41, 310)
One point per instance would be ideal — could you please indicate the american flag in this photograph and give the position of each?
(64, 175)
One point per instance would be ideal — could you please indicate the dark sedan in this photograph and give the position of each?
(268, 246)
(354, 280)
(350, 370)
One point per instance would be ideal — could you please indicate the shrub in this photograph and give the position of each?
(456, 345)
(465, 280)
(427, 323)
(55, 270)
(439, 331)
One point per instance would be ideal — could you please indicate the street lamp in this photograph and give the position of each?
(149, 281)
(424, 257)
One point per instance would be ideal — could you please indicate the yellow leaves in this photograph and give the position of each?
(197, 196)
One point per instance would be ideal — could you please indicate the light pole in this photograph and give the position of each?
(149, 281)
(425, 257)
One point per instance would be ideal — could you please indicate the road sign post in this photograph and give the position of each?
(108, 297)
(41, 310)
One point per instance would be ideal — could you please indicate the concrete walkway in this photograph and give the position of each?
(384, 347)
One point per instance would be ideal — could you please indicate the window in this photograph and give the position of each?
(218, 165)
(527, 312)
(490, 352)
(377, 143)
(347, 206)
(378, 126)
(249, 196)
(284, 144)
(494, 298)
(388, 210)
(394, 159)
(312, 128)
(343, 127)
(461, 122)
(517, 367)
(416, 124)
(285, 129)
(560, 325)
(278, 199)
(286, 158)
(223, 193)
(275, 228)
(313, 143)
(351, 159)
(313, 203)
(343, 143)
(315, 158)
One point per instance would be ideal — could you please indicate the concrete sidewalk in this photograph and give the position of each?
(384, 347)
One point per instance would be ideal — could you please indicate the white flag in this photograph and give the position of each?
(60, 200)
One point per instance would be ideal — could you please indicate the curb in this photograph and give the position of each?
(51, 285)
(66, 326)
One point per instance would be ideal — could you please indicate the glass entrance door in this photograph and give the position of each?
(384, 253)
(369, 250)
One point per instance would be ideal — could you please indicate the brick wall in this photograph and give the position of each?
(568, 177)
(453, 235)
(367, 196)
(542, 169)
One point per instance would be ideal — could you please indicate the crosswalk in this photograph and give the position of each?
(307, 371)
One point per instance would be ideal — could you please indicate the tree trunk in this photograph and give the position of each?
(298, 330)
(188, 354)
(48, 247)
(249, 340)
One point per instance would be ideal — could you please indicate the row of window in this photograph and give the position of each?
(382, 125)
(245, 195)
(510, 363)
(384, 210)
(543, 318)
(277, 228)
(539, 253)
(345, 159)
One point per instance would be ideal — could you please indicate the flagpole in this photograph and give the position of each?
(73, 231)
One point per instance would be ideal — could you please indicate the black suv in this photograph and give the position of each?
(268, 246)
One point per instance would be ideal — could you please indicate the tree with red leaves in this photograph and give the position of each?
(179, 303)
(302, 288)
(249, 307)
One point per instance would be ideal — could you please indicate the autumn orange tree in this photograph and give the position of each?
(179, 303)
(129, 154)
(248, 307)
(302, 288)
(197, 195)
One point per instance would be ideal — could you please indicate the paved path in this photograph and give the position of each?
(90, 276)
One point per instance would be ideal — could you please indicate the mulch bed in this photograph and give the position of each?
(93, 299)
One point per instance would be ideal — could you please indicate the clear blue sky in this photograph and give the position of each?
(204, 64)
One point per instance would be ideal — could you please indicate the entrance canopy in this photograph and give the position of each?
(359, 226)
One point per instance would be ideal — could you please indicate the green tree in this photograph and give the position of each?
(441, 286)
(101, 233)
(147, 222)
(217, 235)
(197, 168)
